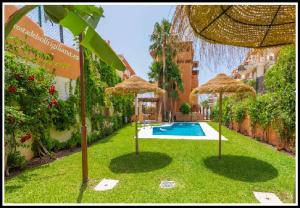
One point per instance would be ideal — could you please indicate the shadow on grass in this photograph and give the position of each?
(107, 138)
(11, 189)
(81, 191)
(143, 162)
(241, 168)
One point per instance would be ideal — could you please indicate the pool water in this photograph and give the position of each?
(179, 129)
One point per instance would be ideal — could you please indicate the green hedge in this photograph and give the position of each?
(274, 108)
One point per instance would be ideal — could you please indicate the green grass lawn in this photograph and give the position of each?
(247, 165)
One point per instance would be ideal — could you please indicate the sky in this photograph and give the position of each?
(128, 28)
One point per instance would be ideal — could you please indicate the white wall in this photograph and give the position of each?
(62, 85)
(260, 69)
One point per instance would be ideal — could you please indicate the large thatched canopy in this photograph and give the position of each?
(134, 85)
(227, 32)
(222, 83)
(253, 26)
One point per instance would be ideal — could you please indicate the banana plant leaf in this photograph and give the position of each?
(96, 44)
(78, 19)
(12, 20)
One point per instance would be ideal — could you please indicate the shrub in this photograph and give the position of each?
(28, 102)
(185, 108)
(15, 160)
(74, 141)
(251, 82)
(93, 137)
(215, 112)
(64, 115)
(280, 80)
(227, 114)
(239, 112)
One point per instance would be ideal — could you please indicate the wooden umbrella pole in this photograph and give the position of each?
(83, 123)
(220, 123)
(136, 128)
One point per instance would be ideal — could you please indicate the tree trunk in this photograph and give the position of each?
(254, 131)
(164, 68)
(83, 111)
(220, 124)
(136, 128)
(7, 171)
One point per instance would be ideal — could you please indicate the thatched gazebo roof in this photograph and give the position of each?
(254, 26)
(222, 83)
(134, 85)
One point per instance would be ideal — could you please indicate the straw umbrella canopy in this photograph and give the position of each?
(253, 26)
(222, 84)
(134, 85)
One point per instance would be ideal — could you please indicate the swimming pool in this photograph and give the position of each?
(179, 129)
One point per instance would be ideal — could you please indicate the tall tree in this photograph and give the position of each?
(164, 69)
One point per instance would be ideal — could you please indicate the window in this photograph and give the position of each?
(253, 59)
(271, 57)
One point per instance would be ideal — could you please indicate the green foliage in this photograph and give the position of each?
(215, 112)
(253, 111)
(239, 112)
(227, 112)
(29, 105)
(185, 108)
(64, 114)
(274, 108)
(16, 160)
(26, 102)
(79, 19)
(251, 82)
(280, 82)
(170, 77)
(99, 76)
(265, 110)
(75, 140)
(54, 145)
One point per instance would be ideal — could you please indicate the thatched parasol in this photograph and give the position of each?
(235, 29)
(134, 85)
(222, 84)
(253, 26)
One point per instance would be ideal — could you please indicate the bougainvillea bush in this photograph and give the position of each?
(32, 107)
(29, 99)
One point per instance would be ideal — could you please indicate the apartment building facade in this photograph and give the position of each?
(255, 65)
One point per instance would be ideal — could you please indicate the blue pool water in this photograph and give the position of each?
(179, 129)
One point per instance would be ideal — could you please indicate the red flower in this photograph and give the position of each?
(31, 78)
(12, 89)
(53, 102)
(52, 89)
(26, 137)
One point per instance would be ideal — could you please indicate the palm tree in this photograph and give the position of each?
(164, 69)
(205, 105)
